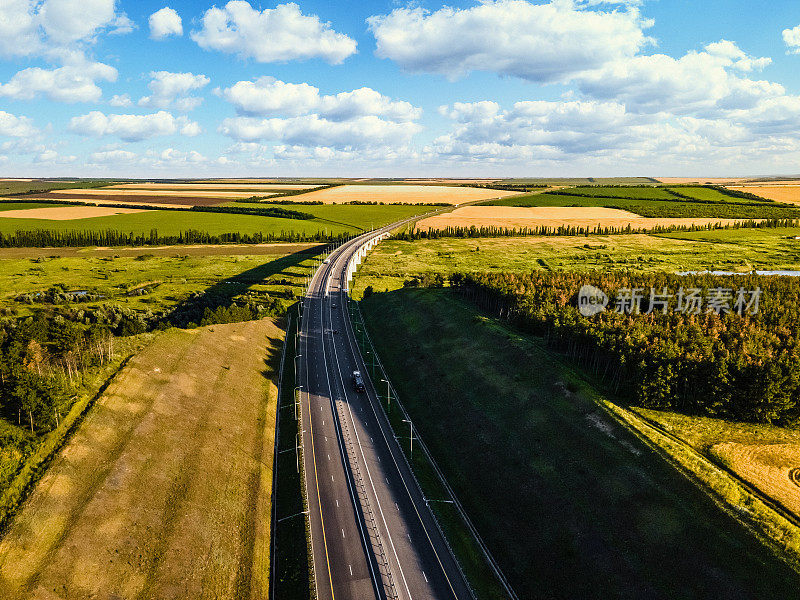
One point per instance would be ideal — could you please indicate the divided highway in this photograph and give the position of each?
(372, 532)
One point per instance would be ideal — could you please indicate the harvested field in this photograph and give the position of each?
(714, 180)
(772, 468)
(66, 213)
(278, 187)
(554, 216)
(164, 489)
(158, 199)
(788, 192)
(413, 194)
(158, 193)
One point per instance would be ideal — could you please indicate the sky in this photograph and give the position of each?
(493, 88)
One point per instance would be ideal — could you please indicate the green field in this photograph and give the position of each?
(23, 205)
(394, 261)
(657, 202)
(25, 187)
(165, 280)
(364, 216)
(173, 222)
(568, 501)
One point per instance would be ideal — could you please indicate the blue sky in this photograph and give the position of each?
(492, 88)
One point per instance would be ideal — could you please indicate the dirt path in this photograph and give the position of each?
(161, 492)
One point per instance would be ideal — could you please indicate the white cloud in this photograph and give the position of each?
(14, 126)
(268, 96)
(312, 130)
(66, 21)
(362, 118)
(165, 22)
(539, 42)
(279, 34)
(122, 25)
(707, 81)
(172, 90)
(72, 83)
(791, 37)
(132, 128)
(120, 100)
(52, 157)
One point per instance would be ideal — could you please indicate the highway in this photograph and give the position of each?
(372, 532)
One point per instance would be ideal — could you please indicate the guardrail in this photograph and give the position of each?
(353, 309)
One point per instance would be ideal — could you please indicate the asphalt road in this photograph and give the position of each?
(372, 533)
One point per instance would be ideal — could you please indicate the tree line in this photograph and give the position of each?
(474, 231)
(743, 367)
(112, 237)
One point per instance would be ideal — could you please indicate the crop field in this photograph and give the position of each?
(175, 222)
(579, 180)
(789, 193)
(211, 186)
(518, 217)
(656, 202)
(164, 489)
(712, 180)
(363, 216)
(147, 279)
(772, 468)
(394, 261)
(25, 186)
(543, 470)
(409, 194)
(64, 213)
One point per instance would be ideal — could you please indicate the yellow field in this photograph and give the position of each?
(714, 180)
(410, 194)
(164, 490)
(788, 192)
(772, 468)
(157, 192)
(554, 216)
(191, 187)
(66, 213)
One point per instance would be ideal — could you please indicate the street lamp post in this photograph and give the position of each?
(296, 400)
(388, 394)
(411, 426)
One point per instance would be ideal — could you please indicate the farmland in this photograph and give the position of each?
(328, 220)
(663, 201)
(789, 194)
(543, 469)
(519, 217)
(394, 261)
(145, 500)
(408, 194)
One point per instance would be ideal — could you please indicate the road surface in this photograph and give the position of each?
(372, 533)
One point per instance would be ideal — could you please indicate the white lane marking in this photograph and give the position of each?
(343, 536)
(351, 570)
(337, 502)
(397, 507)
(329, 456)
(425, 576)
(331, 477)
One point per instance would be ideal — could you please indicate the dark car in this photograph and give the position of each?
(358, 382)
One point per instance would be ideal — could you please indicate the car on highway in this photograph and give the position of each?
(358, 382)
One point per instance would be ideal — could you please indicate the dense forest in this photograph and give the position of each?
(42, 359)
(712, 361)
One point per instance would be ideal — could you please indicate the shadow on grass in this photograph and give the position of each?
(570, 504)
(221, 294)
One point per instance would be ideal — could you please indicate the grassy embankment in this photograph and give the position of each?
(292, 568)
(394, 261)
(164, 489)
(571, 503)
